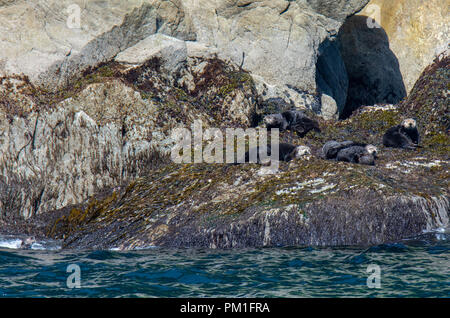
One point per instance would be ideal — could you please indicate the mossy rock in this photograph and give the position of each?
(314, 202)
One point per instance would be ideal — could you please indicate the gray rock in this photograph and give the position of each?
(170, 51)
(329, 107)
(337, 9)
(280, 50)
(52, 54)
(108, 132)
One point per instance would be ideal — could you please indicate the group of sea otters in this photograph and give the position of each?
(404, 136)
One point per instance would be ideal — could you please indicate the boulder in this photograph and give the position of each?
(170, 51)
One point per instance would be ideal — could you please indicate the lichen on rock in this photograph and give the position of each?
(85, 157)
(312, 202)
(104, 129)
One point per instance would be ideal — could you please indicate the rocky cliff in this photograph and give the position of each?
(80, 105)
(309, 201)
(281, 50)
(86, 113)
(417, 30)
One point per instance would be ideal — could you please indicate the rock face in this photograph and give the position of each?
(280, 51)
(81, 104)
(109, 128)
(92, 115)
(336, 9)
(417, 31)
(387, 45)
(337, 221)
(51, 48)
(307, 202)
(289, 53)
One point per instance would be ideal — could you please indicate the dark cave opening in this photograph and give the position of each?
(373, 70)
(359, 68)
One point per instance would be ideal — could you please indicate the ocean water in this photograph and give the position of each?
(418, 267)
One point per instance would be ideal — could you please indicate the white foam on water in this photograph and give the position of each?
(148, 247)
(440, 230)
(17, 242)
(37, 246)
(10, 243)
(46, 246)
(139, 248)
(440, 233)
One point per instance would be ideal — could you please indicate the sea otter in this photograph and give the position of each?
(331, 148)
(405, 135)
(286, 152)
(358, 154)
(276, 121)
(293, 120)
(350, 151)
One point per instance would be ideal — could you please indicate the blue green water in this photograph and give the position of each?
(414, 268)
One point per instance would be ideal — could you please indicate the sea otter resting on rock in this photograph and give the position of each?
(331, 148)
(286, 152)
(404, 135)
(349, 151)
(365, 155)
(293, 120)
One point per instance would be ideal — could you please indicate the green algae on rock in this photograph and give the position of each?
(100, 131)
(85, 156)
(308, 202)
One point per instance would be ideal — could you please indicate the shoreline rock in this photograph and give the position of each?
(88, 163)
(313, 202)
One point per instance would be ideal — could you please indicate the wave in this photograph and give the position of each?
(27, 242)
